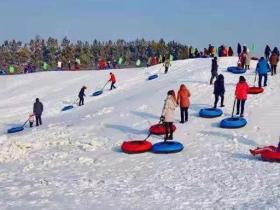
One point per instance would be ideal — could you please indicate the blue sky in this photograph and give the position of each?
(191, 22)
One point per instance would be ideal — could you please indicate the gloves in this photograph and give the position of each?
(162, 118)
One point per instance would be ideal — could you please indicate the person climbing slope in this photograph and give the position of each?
(184, 102)
(38, 109)
(214, 70)
(112, 80)
(262, 69)
(82, 95)
(274, 59)
(219, 90)
(166, 64)
(241, 92)
(168, 112)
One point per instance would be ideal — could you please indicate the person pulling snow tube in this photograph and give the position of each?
(154, 76)
(159, 129)
(167, 147)
(255, 90)
(236, 70)
(132, 147)
(233, 122)
(268, 153)
(210, 112)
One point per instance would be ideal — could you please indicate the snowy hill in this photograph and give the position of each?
(73, 161)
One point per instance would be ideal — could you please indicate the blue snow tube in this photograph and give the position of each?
(210, 112)
(233, 122)
(167, 147)
(3, 72)
(154, 76)
(97, 93)
(236, 70)
(15, 129)
(67, 108)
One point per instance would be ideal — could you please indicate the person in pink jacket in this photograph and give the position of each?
(168, 113)
(241, 92)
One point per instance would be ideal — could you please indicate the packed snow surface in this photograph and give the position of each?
(74, 160)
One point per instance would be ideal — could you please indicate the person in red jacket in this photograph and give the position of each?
(241, 92)
(112, 80)
(184, 102)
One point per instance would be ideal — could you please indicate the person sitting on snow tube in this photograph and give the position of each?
(219, 90)
(262, 69)
(184, 102)
(167, 115)
(241, 92)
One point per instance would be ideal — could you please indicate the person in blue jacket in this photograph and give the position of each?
(219, 90)
(262, 69)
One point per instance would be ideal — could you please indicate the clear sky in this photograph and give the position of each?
(192, 22)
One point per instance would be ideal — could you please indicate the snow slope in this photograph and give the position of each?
(74, 161)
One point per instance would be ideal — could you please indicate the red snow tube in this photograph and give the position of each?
(255, 90)
(270, 153)
(131, 147)
(159, 129)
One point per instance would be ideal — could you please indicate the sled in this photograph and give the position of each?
(167, 147)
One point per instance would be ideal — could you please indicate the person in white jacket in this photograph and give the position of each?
(168, 113)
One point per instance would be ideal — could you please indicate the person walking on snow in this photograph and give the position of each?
(82, 95)
(239, 49)
(112, 80)
(219, 90)
(267, 52)
(31, 120)
(168, 113)
(184, 102)
(38, 109)
(214, 70)
(262, 69)
(166, 65)
(241, 92)
(247, 60)
(274, 58)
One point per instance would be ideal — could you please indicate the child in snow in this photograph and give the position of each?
(31, 120)
(241, 92)
(112, 80)
(82, 95)
(168, 112)
(219, 90)
(214, 70)
(184, 102)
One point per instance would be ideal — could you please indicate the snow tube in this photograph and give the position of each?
(159, 129)
(97, 93)
(131, 147)
(15, 129)
(255, 90)
(254, 58)
(210, 112)
(154, 76)
(233, 122)
(269, 153)
(167, 147)
(67, 108)
(236, 70)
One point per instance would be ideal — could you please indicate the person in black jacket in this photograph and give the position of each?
(38, 110)
(238, 49)
(214, 70)
(219, 90)
(267, 52)
(82, 95)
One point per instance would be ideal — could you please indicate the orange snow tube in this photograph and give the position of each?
(132, 147)
(255, 90)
